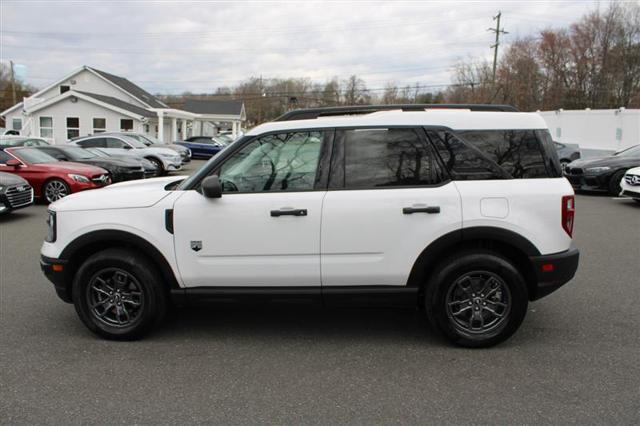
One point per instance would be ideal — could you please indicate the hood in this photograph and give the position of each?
(612, 161)
(71, 167)
(123, 195)
(177, 147)
(7, 179)
(113, 162)
(160, 150)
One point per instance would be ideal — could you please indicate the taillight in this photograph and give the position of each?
(568, 213)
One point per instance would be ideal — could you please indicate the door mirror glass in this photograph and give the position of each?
(211, 187)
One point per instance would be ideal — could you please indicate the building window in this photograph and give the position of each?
(16, 124)
(73, 127)
(99, 125)
(146, 128)
(46, 127)
(126, 125)
(64, 89)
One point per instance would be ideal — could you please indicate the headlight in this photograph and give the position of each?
(597, 169)
(79, 178)
(171, 156)
(51, 227)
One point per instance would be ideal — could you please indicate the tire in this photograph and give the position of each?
(563, 164)
(614, 183)
(118, 295)
(159, 166)
(55, 189)
(479, 272)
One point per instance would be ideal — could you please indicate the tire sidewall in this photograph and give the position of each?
(614, 182)
(447, 275)
(154, 304)
(158, 164)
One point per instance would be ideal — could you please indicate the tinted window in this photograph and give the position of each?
(388, 157)
(282, 162)
(93, 143)
(633, 152)
(114, 143)
(34, 156)
(4, 157)
(462, 161)
(518, 152)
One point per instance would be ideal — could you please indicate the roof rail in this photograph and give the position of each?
(311, 113)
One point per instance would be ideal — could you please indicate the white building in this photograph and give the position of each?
(89, 101)
(595, 129)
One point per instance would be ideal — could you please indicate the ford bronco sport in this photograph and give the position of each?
(461, 211)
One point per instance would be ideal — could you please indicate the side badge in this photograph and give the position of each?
(196, 245)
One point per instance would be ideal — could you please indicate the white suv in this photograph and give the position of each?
(463, 213)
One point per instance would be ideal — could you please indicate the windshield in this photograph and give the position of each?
(633, 152)
(33, 156)
(78, 153)
(97, 152)
(134, 142)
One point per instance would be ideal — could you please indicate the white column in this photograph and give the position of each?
(174, 129)
(160, 127)
(233, 130)
(184, 129)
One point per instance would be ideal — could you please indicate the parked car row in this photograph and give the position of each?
(205, 146)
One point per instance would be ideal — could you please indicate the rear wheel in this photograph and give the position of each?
(55, 189)
(118, 295)
(614, 183)
(476, 299)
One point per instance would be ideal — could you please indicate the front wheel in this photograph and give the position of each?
(476, 299)
(614, 183)
(159, 167)
(55, 189)
(118, 295)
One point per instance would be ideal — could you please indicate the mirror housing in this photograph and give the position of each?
(127, 147)
(211, 187)
(13, 163)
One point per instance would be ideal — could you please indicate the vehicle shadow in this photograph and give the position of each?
(279, 322)
(18, 215)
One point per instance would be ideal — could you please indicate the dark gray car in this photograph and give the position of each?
(567, 152)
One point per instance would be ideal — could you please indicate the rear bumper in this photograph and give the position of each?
(59, 278)
(554, 270)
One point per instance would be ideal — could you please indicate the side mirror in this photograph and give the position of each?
(127, 147)
(61, 158)
(13, 163)
(211, 187)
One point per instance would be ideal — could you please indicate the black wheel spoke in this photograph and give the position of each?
(115, 297)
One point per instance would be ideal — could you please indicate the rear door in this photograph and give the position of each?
(388, 199)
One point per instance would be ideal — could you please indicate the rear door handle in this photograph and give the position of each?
(289, 212)
(429, 210)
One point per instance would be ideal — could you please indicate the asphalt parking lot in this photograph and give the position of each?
(575, 359)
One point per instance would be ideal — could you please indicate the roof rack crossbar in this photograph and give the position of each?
(311, 113)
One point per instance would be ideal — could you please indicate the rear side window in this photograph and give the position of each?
(93, 143)
(464, 162)
(375, 158)
(518, 152)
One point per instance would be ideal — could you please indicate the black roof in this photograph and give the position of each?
(120, 104)
(203, 106)
(134, 89)
(310, 113)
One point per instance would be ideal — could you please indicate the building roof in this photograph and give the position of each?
(133, 89)
(120, 104)
(200, 106)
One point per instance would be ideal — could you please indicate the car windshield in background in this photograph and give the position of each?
(79, 153)
(151, 140)
(134, 142)
(12, 141)
(34, 156)
(633, 152)
(97, 152)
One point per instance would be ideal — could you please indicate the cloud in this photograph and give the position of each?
(171, 47)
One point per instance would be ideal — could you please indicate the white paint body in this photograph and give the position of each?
(348, 238)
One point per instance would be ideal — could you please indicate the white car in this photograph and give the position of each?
(464, 213)
(630, 184)
(165, 159)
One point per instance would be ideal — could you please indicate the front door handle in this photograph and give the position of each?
(289, 212)
(429, 210)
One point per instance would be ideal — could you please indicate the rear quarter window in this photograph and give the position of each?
(520, 153)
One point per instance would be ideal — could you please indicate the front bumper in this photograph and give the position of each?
(58, 276)
(553, 271)
(13, 199)
(629, 190)
(585, 182)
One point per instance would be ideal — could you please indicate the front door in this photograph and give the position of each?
(265, 229)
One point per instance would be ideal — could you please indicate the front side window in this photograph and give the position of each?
(73, 127)
(281, 162)
(518, 152)
(378, 158)
(126, 124)
(16, 124)
(93, 143)
(46, 127)
(115, 143)
(99, 125)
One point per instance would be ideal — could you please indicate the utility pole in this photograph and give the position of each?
(498, 31)
(13, 84)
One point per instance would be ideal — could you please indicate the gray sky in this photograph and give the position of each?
(170, 47)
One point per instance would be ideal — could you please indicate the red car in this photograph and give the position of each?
(51, 179)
